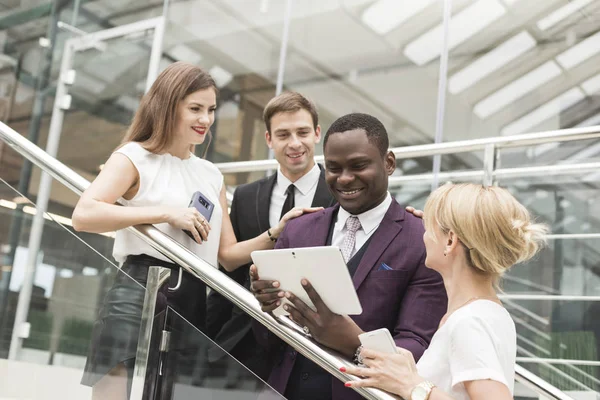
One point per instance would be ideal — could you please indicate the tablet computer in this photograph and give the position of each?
(323, 267)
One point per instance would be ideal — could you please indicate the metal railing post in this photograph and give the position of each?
(43, 198)
(157, 278)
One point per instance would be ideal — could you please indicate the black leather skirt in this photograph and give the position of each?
(116, 330)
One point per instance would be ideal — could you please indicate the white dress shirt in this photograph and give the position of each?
(303, 194)
(369, 222)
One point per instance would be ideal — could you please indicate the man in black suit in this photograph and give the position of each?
(292, 133)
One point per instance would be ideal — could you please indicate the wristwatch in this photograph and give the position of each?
(422, 391)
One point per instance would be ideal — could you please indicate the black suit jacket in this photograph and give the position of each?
(227, 324)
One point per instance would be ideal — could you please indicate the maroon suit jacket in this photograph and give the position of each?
(409, 300)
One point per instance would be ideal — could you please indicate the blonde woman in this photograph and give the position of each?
(156, 172)
(474, 234)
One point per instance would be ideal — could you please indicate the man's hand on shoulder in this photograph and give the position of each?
(290, 215)
(415, 212)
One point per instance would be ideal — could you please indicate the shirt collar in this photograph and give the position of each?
(369, 220)
(303, 185)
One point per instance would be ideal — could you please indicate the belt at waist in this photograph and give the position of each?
(149, 261)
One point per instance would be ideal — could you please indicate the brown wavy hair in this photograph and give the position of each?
(154, 121)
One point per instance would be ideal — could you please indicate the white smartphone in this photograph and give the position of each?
(379, 340)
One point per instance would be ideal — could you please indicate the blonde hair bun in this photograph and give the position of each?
(496, 229)
(533, 236)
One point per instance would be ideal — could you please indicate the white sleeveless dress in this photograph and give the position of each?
(166, 180)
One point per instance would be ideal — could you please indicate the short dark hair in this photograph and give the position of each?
(289, 102)
(376, 132)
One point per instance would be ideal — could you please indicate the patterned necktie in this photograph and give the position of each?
(289, 202)
(352, 225)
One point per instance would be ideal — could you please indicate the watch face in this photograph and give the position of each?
(418, 393)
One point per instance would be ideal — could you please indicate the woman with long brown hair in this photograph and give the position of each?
(156, 172)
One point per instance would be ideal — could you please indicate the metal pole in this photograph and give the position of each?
(61, 103)
(76, 7)
(156, 53)
(35, 237)
(489, 165)
(165, 12)
(287, 17)
(41, 86)
(441, 103)
(284, 43)
(157, 277)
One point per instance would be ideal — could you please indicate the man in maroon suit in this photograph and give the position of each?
(383, 248)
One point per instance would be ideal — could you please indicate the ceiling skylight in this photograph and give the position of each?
(592, 85)
(591, 121)
(182, 52)
(561, 13)
(491, 61)
(221, 76)
(517, 89)
(550, 109)
(580, 52)
(463, 25)
(386, 15)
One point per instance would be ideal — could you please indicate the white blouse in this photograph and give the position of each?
(477, 341)
(166, 180)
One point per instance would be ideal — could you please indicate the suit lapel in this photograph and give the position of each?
(263, 202)
(387, 231)
(319, 230)
(323, 197)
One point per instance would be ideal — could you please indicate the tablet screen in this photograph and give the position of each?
(323, 267)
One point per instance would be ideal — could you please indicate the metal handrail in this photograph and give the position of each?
(229, 289)
(426, 150)
(538, 385)
(225, 286)
(499, 174)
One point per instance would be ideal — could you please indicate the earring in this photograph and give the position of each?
(445, 254)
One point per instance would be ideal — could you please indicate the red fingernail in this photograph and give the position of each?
(348, 384)
(343, 369)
